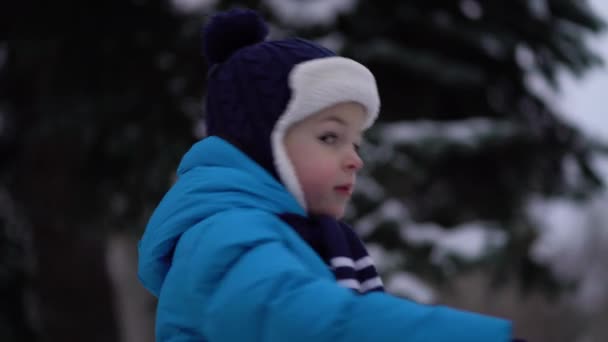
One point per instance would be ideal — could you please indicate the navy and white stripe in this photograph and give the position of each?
(340, 248)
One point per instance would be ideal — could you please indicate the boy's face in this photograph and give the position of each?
(323, 151)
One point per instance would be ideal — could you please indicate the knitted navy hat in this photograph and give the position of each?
(257, 89)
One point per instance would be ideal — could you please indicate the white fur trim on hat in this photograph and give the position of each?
(317, 84)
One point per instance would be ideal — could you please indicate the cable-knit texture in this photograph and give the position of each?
(230, 31)
(249, 92)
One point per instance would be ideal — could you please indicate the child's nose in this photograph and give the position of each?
(353, 162)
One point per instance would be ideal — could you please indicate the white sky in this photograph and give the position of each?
(585, 102)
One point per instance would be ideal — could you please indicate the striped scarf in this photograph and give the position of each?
(341, 249)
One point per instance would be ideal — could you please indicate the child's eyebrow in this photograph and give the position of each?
(335, 119)
(339, 121)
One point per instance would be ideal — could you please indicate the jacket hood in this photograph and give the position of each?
(213, 177)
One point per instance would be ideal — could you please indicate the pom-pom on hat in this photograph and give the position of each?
(257, 89)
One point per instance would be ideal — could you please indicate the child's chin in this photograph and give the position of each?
(337, 213)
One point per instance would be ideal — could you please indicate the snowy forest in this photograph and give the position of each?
(477, 192)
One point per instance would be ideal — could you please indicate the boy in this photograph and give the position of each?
(247, 246)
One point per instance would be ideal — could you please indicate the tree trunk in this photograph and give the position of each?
(134, 305)
(70, 280)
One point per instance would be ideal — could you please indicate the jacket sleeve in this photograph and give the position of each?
(268, 294)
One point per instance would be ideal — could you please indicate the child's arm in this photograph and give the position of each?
(291, 305)
(268, 294)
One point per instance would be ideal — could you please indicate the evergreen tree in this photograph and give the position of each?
(470, 139)
(100, 97)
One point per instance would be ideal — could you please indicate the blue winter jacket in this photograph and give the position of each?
(225, 268)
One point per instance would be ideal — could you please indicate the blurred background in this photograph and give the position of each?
(484, 186)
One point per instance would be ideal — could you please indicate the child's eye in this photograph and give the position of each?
(329, 138)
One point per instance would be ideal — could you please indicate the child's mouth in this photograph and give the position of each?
(344, 189)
